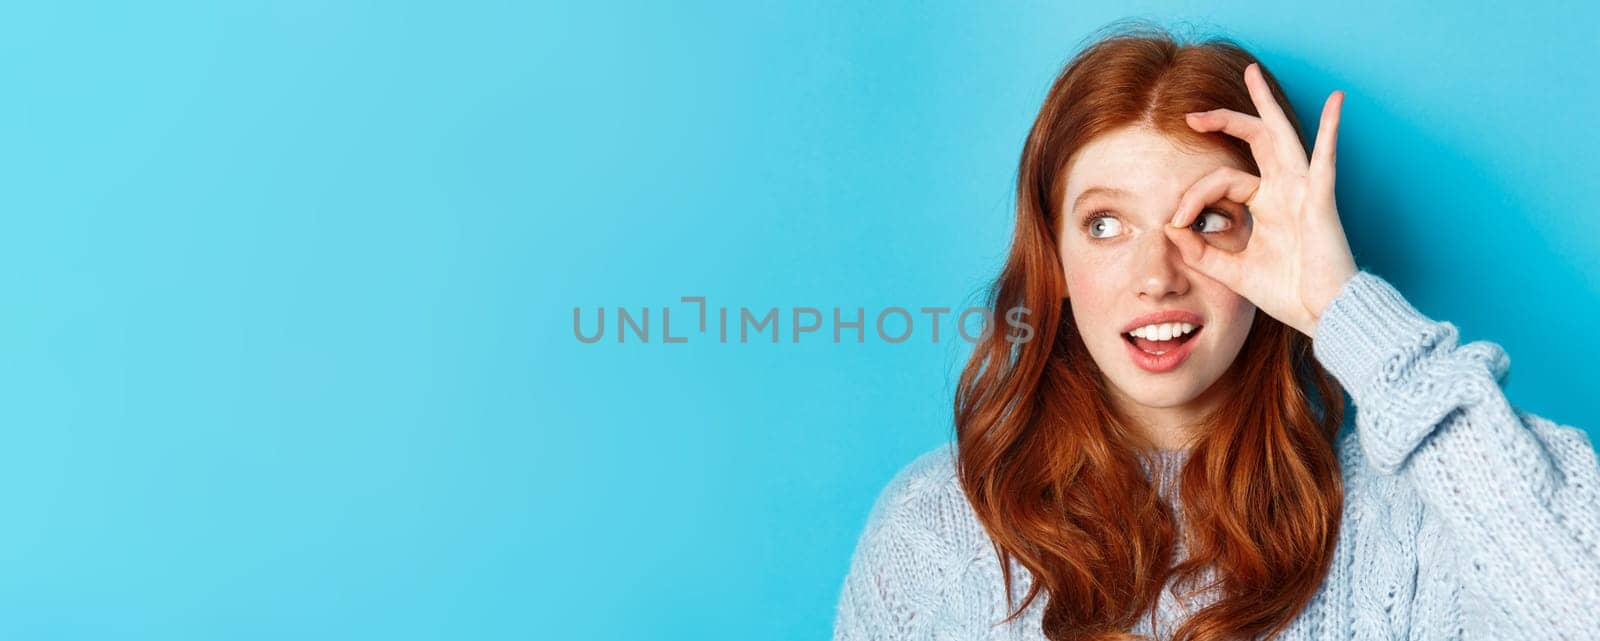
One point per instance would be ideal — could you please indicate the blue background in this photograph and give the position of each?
(288, 286)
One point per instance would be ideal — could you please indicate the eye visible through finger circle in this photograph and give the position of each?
(1213, 221)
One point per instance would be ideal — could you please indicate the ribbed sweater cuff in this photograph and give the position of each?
(1367, 323)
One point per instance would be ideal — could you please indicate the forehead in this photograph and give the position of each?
(1141, 161)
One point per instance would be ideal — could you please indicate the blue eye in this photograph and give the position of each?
(1226, 224)
(1095, 225)
(1101, 225)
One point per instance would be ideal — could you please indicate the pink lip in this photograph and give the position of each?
(1166, 316)
(1163, 362)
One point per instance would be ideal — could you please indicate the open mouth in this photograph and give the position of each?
(1159, 347)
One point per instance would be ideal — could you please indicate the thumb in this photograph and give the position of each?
(1221, 265)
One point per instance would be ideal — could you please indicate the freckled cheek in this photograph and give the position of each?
(1092, 279)
(1231, 316)
(1096, 268)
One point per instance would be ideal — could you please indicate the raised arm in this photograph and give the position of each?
(1517, 493)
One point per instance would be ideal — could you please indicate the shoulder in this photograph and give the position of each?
(920, 567)
(924, 506)
(930, 472)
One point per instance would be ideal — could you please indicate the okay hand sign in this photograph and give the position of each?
(1297, 258)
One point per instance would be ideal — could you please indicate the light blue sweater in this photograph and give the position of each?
(1464, 516)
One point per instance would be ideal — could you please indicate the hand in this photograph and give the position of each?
(1297, 257)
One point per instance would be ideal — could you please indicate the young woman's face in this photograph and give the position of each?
(1121, 189)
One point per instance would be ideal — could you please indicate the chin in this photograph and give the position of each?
(1163, 398)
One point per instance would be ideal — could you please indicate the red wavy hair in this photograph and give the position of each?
(1051, 469)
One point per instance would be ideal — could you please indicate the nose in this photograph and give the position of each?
(1159, 268)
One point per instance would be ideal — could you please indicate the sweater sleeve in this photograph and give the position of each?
(893, 589)
(1516, 493)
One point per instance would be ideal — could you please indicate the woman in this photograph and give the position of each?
(1163, 458)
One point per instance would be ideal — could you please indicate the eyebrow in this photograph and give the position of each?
(1097, 191)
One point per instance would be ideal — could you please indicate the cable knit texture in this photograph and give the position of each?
(1464, 517)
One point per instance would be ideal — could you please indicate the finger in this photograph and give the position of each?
(1220, 265)
(1223, 182)
(1272, 115)
(1244, 127)
(1325, 150)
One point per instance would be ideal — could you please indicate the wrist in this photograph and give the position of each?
(1320, 303)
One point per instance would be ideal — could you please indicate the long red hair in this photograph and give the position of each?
(1051, 469)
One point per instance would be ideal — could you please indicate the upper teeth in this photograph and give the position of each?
(1163, 331)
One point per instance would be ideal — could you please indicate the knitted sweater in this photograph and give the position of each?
(1464, 517)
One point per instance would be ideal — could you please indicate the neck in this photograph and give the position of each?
(1169, 428)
